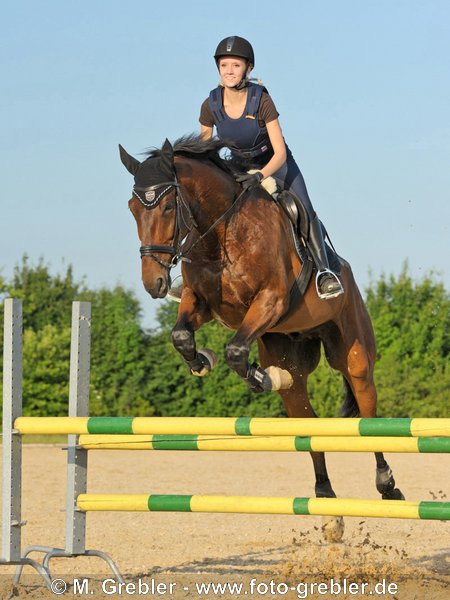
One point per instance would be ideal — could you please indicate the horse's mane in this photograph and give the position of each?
(194, 146)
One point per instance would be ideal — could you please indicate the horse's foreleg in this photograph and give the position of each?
(264, 312)
(192, 314)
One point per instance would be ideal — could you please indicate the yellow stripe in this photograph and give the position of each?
(242, 504)
(183, 425)
(430, 427)
(246, 443)
(304, 427)
(112, 502)
(51, 425)
(116, 442)
(350, 507)
(363, 444)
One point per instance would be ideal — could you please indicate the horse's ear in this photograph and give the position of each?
(167, 155)
(130, 163)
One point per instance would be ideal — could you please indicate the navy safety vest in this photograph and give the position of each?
(245, 138)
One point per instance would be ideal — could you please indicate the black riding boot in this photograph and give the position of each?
(327, 282)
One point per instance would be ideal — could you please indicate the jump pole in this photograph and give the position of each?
(342, 507)
(232, 443)
(246, 426)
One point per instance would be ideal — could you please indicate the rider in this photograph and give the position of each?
(246, 118)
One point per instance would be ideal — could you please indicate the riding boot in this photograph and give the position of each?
(327, 282)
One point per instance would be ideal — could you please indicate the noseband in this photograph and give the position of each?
(150, 197)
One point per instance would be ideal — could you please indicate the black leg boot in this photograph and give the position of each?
(327, 282)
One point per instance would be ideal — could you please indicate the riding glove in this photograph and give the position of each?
(249, 180)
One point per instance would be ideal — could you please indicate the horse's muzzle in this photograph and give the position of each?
(157, 288)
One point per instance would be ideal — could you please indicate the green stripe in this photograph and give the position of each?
(303, 444)
(242, 426)
(110, 425)
(174, 442)
(434, 510)
(388, 427)
(169, 502)
(433, 444)
(300, 506)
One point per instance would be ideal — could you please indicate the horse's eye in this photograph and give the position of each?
(168, 207)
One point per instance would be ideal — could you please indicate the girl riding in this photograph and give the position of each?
(246, 119)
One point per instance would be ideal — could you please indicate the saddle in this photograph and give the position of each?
(300, 220)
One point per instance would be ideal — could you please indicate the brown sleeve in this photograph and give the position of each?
(206, 117)
(267, 109)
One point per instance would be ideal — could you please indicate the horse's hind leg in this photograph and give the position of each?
(350, 348)
(300, 358)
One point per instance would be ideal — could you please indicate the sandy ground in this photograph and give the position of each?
(186, 550)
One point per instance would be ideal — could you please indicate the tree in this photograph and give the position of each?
(411, 321)
(138, 372)
(120, 370)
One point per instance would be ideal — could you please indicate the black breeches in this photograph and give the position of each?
(290, 178)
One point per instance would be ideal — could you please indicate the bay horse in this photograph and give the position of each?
(239, 264)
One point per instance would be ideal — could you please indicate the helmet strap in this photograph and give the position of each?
(242, 84)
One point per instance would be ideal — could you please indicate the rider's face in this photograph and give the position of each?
(232, 69)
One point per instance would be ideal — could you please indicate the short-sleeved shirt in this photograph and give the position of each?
(267, 112)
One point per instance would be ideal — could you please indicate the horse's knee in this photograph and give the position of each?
(236, 356)
(183, 340)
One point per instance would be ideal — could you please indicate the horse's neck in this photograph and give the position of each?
(210, 192)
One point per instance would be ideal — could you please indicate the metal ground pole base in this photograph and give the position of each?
(23, 562)
(49, 553)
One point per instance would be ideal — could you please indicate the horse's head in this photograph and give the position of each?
(155, 205)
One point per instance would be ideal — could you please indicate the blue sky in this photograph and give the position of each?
(362, 88)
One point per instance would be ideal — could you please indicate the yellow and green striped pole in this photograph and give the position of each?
(345, 507)
(265, 443)
(386, 427)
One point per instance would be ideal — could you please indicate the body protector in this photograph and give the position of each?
(245, 138)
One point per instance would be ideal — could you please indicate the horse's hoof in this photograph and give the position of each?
(201, 373)
(281, 379)
(209, 360)
(333, 529)
(394, 494)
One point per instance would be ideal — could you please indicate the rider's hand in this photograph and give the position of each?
(250, 180)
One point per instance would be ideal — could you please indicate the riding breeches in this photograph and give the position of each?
(289, 177)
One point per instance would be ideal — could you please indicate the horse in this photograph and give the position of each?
(240, 262)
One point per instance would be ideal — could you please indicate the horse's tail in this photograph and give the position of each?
(349, 407)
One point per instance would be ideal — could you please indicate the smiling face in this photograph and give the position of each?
(232, 70)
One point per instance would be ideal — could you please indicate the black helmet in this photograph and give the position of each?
(235, 46)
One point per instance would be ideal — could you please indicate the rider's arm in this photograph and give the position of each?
(206, 132)
(279, 148)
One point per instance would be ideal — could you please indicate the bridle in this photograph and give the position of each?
(150, 197)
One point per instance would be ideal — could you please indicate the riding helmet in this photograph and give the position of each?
(235, 46)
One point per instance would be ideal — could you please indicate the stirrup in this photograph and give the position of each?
(329, 295)
(175, 291)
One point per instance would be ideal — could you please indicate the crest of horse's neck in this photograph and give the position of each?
(210, 190)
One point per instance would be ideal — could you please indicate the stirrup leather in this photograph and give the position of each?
(330, 294)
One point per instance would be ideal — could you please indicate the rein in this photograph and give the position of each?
(150, 197)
